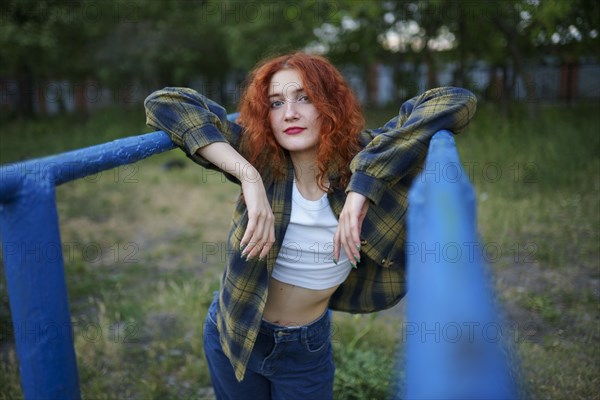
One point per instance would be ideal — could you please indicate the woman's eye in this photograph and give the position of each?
(304, 99)
(276, 104)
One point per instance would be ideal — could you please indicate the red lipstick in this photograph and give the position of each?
(294, 130)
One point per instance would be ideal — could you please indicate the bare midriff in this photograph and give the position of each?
(291, 305)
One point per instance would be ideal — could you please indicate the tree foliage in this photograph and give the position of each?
(174, 42)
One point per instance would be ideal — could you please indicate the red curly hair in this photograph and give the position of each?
(340, 113)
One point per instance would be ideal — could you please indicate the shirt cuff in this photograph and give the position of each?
(200, 137)
(371, 188)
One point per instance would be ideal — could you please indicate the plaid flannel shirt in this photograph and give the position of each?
(383, 170)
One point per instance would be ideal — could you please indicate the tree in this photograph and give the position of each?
(264, 28)
(356, 40)
(36, 38)
(160, 43)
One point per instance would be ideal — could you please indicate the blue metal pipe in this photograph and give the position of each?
(33, 259)
(33, 263)
(453, 331)
(79, 163)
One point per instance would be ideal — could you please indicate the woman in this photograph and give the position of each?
(319, 223)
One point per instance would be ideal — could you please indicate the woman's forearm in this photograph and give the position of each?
(260, 231)
(227, 159)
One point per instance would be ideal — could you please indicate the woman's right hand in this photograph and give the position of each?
(260, 231)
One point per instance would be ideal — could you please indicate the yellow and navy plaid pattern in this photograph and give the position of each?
(383, 170)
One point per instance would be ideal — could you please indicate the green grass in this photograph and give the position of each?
(543, 213)
(146, 247)
(50, 135)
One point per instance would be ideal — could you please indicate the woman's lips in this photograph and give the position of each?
(294, 130)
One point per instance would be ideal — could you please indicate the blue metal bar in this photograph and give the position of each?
(453, 331)
(33, 259)
(76, 164)
(32, 256)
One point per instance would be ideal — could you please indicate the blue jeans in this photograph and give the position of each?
(286, 362)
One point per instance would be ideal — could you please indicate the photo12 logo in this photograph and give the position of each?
(88, 331)
(488, 172)
(88, 252)
(253, 11)
(467, 332)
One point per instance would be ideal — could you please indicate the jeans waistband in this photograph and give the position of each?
(317, 327)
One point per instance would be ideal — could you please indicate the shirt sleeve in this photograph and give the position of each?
(394, 150)
(191, 120)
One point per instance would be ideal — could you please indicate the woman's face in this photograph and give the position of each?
(294, 119)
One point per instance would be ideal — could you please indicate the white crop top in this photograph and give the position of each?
(306, 255)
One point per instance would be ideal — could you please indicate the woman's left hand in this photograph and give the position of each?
(347, 235)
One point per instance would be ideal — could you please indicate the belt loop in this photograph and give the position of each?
(304, 334)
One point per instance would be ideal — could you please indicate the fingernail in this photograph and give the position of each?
(242, 247)
(335, 260)
(357, 247)
(357, 258)
(353, 265)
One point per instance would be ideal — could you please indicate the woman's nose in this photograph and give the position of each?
(291, 111)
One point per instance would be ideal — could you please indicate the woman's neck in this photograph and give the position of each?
(306, 171)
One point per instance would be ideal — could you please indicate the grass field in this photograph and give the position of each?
(144, 248)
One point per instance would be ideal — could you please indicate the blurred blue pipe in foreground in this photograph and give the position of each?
(454, 342)
(443, 296)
